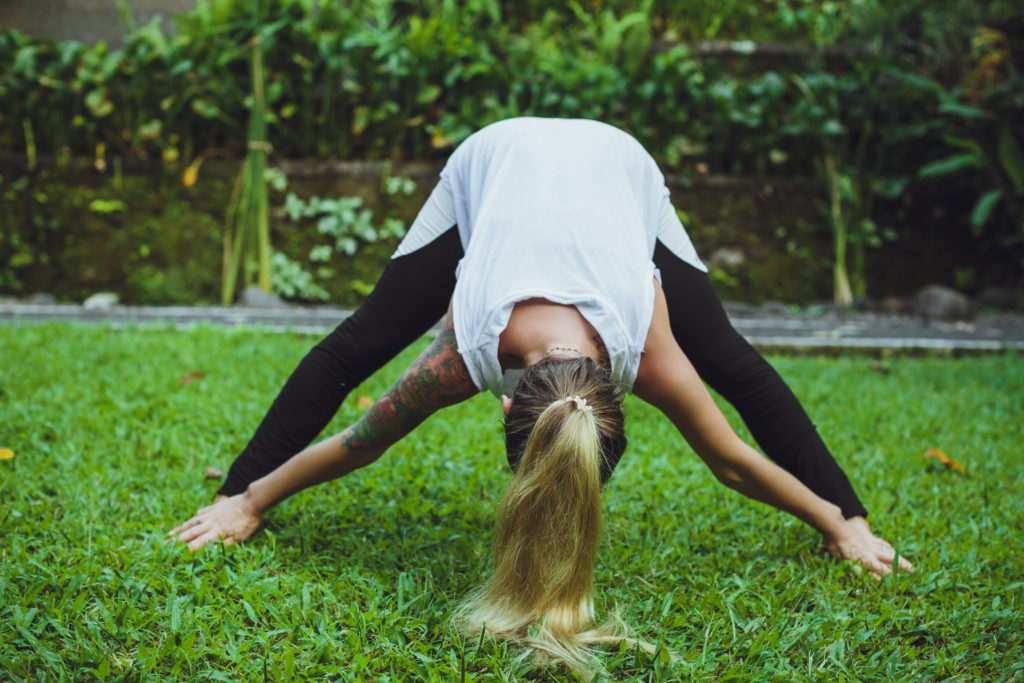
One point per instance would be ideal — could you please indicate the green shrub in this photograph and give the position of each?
(931, 97)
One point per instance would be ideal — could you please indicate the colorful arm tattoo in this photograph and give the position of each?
(436, 379)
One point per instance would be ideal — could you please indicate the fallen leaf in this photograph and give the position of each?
(189, 377)
(945, 460)
(364, 402)
(6, 453)
(191, 173)
(440, 139)
(213, 473)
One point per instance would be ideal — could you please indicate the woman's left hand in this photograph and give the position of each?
(855, 542)
(230, 520)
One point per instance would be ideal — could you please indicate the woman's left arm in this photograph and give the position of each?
(667, 380)
(436, 379)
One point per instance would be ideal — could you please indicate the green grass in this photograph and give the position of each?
(355, 580)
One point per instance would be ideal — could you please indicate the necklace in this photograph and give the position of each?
(559, 347)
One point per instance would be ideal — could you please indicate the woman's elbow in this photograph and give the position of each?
(724, 458)
(729, 476)
(363, 457)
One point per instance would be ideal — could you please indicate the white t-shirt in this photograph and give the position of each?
(560, 209)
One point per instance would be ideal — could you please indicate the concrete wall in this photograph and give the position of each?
(83, 20)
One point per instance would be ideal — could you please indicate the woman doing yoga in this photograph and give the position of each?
(568, 280)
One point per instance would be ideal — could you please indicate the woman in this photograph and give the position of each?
(564, 268)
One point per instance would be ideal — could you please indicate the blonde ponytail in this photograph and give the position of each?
(540, 595)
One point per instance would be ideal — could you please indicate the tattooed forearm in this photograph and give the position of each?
(436, 379)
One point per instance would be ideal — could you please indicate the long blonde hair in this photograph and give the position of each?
(564, 434)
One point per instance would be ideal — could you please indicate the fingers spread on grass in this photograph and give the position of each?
(231, 520)
(211, 536)
(888, 555)
(875, 566)
(193, 532)
(881, 563)
(184, 525)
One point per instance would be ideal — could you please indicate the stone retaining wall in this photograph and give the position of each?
(764, 238)
(86, 21)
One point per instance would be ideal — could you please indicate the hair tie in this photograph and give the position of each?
(581, 403)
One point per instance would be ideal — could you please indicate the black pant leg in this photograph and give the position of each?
(411, 295)
(733, 368)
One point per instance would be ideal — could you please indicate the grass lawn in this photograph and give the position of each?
(113, 430)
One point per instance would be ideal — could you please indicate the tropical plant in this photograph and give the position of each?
(247, 233)
(843, 170)
(344, 225)
(983, 130)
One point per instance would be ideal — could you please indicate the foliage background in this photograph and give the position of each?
(907, 114)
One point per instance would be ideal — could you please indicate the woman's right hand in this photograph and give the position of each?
(229, 520)
(856, 542)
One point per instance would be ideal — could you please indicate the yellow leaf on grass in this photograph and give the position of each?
(945, 460)
(364, 402)
(6, 453)
(213, 473)
(189, 377)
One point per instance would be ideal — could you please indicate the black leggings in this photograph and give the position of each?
(413, 293)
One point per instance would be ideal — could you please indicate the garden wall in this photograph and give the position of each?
(146, 236)
(86, 21)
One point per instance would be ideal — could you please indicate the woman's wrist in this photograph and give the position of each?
(830, 524)
(255, 496)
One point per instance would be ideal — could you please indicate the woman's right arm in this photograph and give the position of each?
(438, 378)
(409, 298)
(667, 380)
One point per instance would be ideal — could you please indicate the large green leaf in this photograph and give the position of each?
(206, 108)
(890, 188)
(964, 110)
(151, 129)
(949, 165)
(1010, 158)
(983, 209)
(920, 81)
(428, 94)
(964, 143)
(98, 103)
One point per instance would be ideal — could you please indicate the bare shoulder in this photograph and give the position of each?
(662, 359)
(667, 380)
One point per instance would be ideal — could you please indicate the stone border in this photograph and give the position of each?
(864, 331)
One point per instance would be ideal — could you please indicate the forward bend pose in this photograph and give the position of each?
(568, 280)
